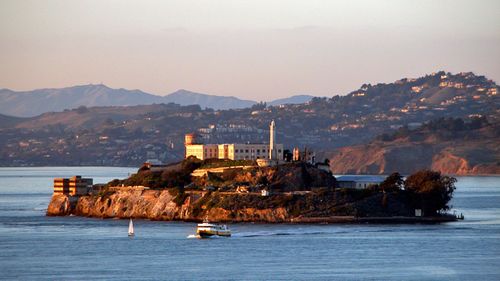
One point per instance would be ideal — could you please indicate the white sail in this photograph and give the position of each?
(130, 228)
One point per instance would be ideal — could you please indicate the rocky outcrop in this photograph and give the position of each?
(299, 192)
(61, 205)
(232, 207)
(285, 178)
(158, 205)
(232, 194)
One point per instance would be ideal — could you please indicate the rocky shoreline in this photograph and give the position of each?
(162, 205)
(288, 193)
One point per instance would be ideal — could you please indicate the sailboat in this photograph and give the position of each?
(130, 228)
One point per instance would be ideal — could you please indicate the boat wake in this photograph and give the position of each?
(277, 233)
(301, 232)
(194, 236)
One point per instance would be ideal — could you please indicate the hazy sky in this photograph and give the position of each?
(258, 50)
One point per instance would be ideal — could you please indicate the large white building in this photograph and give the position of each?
(235, 151)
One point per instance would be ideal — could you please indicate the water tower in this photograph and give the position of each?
(190, 139)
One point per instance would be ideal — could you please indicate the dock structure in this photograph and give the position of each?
(73, 186)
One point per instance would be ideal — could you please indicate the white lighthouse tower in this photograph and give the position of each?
(272, 141)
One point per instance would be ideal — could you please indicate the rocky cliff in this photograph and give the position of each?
(227, 206)
(231, 195)
(299, 192)
(448, 158)
(458, 152)
(158, 205)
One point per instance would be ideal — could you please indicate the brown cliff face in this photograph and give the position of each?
(147, 204)
(381, 159)
(158, 205)
(60, 205)
(447, 163)
(238, 196)
(473, 157)
(230, 207)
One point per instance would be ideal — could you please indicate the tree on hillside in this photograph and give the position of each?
(430, 191)
(393, 182)
(82, 109)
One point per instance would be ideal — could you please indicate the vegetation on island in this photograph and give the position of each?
(286, 177)
(430, 191)
(426, 190)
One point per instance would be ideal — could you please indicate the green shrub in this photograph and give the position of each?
(115, 182)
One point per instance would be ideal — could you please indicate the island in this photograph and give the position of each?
(225, 190)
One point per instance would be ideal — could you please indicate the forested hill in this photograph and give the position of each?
(130, 135)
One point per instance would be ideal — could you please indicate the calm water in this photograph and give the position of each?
(33, 246)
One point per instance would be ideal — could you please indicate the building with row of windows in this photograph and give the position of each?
(235, 151)
(75, 185)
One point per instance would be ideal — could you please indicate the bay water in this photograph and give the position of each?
(36, 247)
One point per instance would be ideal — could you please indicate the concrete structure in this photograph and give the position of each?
(358, 182)
(418, 212)
(219, 170)
(306, 155)
(190, 139)
(73, 186)
(235, 151)
(296, 154)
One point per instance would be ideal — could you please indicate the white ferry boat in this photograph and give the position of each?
(207, 229)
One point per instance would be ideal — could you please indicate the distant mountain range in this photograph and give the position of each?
(36, 102)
